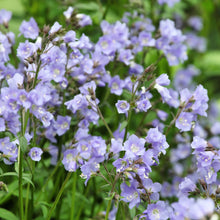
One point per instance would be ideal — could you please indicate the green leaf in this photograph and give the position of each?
(28, 180)
(25, 176)
(90, 6)
(23, 143)
(44, 210)
(6, 215)
(123, 125)
(9, 174)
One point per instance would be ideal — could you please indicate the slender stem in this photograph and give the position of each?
(58, 196)
(32, 191)
(20, 162)
(110, 201)
(108, 209)
(129, 112)
(105, 123)
(36, 74)
(26, 202)
(72, 212)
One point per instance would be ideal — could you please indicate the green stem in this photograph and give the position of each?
(110, 201)
(58, 196)
(128, 121)
(36, 75)
(32, 191)
(105, 123)
(108, 209)
(26, 202)
(72, 212)
(20, 162)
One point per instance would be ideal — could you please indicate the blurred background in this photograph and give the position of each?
(49, 11)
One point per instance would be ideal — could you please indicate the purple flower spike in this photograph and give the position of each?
(122, 106)
(35, 153)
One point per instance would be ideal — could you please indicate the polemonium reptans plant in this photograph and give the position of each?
(95, 110)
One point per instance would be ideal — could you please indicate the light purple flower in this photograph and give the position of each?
(162, 115)
(62, 124)
(163, 80)
(29, 29)
(184, 121)
(199, 144)
(70, 36)
(196, 23)
(158, 140)
(116, 85)
(78, 102)
(68, 12)
(116, 146)
(55, 28)
(5, 16)
(186, 186)
(125, 56)
(122, 106)
(84, 20)
(201, 98)
(90, 168)
(170, 3)
(35, 153)
(143, 105)
(5, 48)
(145, 39)
(134, 147)
(2, 124)
(25, 50)
(130, 194)
(157, 211)
(85, 149)
(70, 160)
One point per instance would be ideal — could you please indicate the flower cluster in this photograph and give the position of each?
(53, 96)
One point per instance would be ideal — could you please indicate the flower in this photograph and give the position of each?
(62, 124)
(5, 16)
(157, 211)
(134, 147)
(184, 121)
(29, 29)
(35, 153)
(130, 193)
(122, 106)
(70, 160)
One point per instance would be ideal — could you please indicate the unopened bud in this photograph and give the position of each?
(46, 29)
(150, 68)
